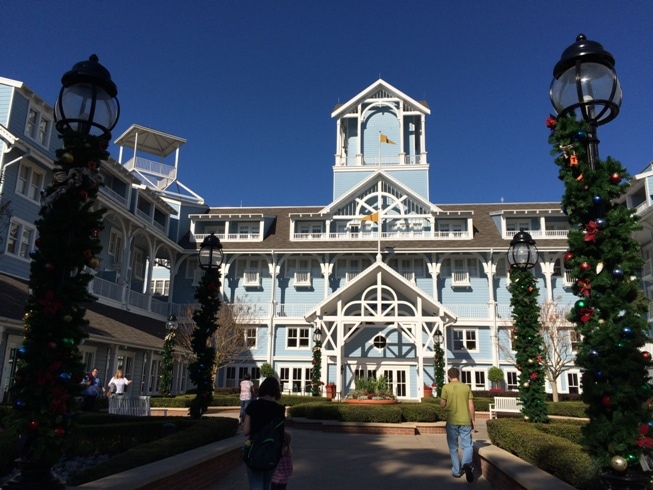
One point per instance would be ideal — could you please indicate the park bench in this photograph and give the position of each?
(504, 404)
(125, 405)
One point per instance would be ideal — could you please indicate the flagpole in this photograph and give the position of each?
(379, 226)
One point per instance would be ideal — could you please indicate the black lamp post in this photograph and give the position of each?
(605, 259)
(168, 355)
(438, 362)
(49, 370)
(522, 257)
(316, 371)
(585, 80)
(207, 294)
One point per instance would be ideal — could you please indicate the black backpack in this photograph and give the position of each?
(263, 451)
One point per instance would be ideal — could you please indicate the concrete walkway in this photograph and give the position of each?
(327, 460)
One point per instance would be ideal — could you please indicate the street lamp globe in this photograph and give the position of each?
(172, 323)
(522, 253)
(87, 100)
(211, 254)
(438, 338)
(317, 335)
(585, 79)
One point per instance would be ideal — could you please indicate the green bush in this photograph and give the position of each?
(390, 414)
(420, 412)
(556, 455)
(567, 409)
(190, 434)
(292, 400)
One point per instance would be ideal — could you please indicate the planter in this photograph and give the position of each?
(428, 392)
(330, 391)
(371, 402)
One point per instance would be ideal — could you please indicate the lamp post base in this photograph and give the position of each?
(629, 480)
(33, 475)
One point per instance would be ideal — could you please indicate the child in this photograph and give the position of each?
(284, 468)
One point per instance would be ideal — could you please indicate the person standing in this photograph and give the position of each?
(258, 414)
(120, 382)
(93, 389)
(246, 395)
(284, 468)
(458, 400)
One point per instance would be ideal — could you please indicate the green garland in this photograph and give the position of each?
(168, 363)
(200, 371)
(50, 366)
(528, 345)
(604, 259)
(316, 371)
(438, 364)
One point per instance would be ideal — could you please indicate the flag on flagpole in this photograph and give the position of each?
(384, 139)
(374, 217)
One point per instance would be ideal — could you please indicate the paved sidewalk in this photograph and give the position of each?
(327, 460)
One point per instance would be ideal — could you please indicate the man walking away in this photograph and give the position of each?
(457, 399)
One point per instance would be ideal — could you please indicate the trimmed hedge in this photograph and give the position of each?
(556, 455)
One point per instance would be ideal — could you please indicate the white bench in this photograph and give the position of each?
(504, 404)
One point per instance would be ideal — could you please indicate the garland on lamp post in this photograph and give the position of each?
(50, 368)
(438, 363)
(207, 295)
(316, 371)
(528, 344)
(604, 260)
(168, 356)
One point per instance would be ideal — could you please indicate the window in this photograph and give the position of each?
(115, 245)
(512, 381)
(464, 340)
(475, 379)
(251, 272)
(298, 338)
(160, 287)
(572, 383)
(379, 342)
(38, 127)
(462, 269)
(29, 182)
(250, 337)
(301, 272)
(20, 239)
(155, 375)
(138, 265)
(230, 377)
(181, 374)
(126, 364)
(397, 381)
(574, 340)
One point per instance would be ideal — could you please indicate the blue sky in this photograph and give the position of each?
(251, 84)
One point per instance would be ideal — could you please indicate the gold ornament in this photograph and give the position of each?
(93, 263)
(67, 157)
(619, 463)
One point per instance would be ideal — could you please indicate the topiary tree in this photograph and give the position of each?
(267, 370)
(495, 375)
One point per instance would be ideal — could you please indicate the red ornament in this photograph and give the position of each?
(646, 355)
(49, 267)
(586, 314)
(615, 178)
(33, 425)
(573, 160)
(585, 266)
(551, 122)
(83, 195)
(606, 400)
(52, 345)
(59, 432)
(591, 229)
(88, 254)
(95, 233)
(568, 256)
(584, 287)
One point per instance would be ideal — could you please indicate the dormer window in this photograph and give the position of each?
(38, 127)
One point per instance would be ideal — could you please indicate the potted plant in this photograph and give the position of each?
(330, 390)
(428, 391)
(495, 375)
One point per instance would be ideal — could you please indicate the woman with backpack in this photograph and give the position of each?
(258, 416)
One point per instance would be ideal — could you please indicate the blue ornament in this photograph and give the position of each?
(627, 333)
(580, 136)
(21, 351)
(598, 376)
(650, 423)
(64, 377)
(600, 222)
(593, 354)
(617, 273)
(19, 404)
(597, 200)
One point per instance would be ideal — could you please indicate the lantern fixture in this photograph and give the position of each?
(317, 335)
(87, 100)
(585, 79)
(438, 338)
(211, 255)
(522, 252)
(172, 323)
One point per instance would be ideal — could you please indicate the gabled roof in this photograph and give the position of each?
(374, 178)
(149, 140)
(379, 86)
(370, 277)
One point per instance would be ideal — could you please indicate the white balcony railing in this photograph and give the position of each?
(113, 195)
(540, 233)
(302, 279)
(460, 279)
(251, 279)
(647, 269)
(234, 237)
(567, 279)
(373, 235)
(409, 276)
(106, 289)
(351, 275)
